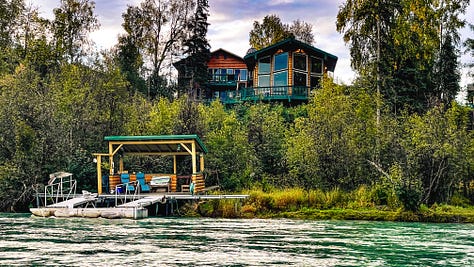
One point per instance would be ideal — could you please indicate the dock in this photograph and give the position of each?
(125, 193)
(135, 208)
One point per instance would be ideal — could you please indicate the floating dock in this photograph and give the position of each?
(131, 207)
(133, 194)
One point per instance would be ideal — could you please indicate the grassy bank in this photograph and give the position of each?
(361, 204)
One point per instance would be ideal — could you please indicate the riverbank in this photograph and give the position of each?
(334, 205)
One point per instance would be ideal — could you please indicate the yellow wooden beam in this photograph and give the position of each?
(121, 164)
(201, 160)
(193, 154)
(99, 174)
(175, 169)
(117, 149)
(111, 159)
(187, 148)
(157, 154)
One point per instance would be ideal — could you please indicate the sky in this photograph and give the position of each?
(231, 22)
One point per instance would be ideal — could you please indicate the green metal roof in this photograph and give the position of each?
(157, 138)
(329, 59)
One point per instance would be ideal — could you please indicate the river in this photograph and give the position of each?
(31, 241)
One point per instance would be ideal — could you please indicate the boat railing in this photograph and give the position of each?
(60, 191)
(126, 192)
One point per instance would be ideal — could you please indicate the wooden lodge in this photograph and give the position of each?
(286, 71)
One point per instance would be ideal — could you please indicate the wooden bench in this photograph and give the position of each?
(185, 188)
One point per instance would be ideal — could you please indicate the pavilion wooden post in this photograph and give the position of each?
(98, 161)
(111, 159)
(174, 177)
(121, 164)
(175, 169)
(99, 174)
(201, 160)
(193, 154)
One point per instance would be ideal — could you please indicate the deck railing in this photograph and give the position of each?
(62, 190)
(126, 192)
(288, 93)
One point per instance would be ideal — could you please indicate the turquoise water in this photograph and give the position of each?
(31, 241)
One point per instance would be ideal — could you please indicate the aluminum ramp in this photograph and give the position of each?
(143, 202)
(71, 203)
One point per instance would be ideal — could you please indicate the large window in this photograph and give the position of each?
(264, 80)
(222, 75)
(299, 79)
(264, 72)
(280, 70)
(300, 70)
(264, 65)
(280, 78)
(281, 62)
(299, 62)
(316, 65)
(230, 75)
(240, 75)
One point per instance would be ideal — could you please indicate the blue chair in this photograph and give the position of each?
(125, 179)
(142, 183)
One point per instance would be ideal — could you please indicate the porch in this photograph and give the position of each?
(285, 93)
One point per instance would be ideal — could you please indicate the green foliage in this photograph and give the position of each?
(155, 32)
(230, 153)
(394, 45)
(266, 135)
(73, 20)
(273, 30)
(330, 147)
(447, 75)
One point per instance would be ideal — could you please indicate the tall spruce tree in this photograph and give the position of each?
(447, 76)
(198, 48)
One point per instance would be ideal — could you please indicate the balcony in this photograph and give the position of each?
(225, 79)
(278, 93)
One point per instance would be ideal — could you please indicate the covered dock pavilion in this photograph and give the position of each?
(153, 145)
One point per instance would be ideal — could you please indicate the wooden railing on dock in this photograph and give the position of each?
(198, 180)
(115, 179)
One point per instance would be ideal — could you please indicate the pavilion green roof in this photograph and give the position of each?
(155, 142)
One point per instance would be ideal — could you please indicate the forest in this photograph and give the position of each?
(397, 130)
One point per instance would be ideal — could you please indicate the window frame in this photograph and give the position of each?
(269, 65)
(311, 65)
(295, 55)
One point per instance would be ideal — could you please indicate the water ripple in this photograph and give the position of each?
(31, 241)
